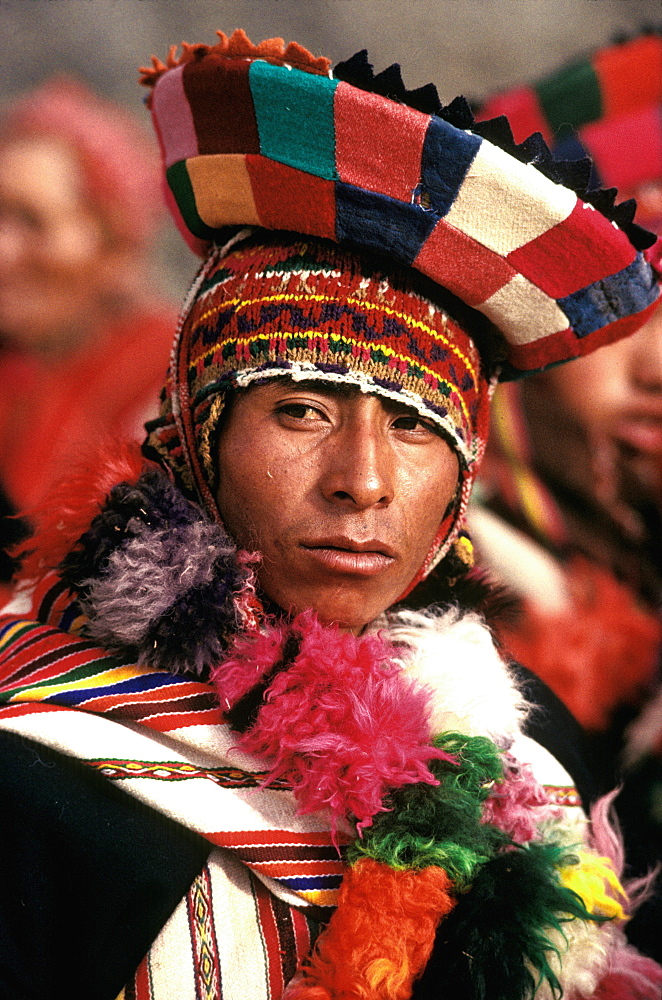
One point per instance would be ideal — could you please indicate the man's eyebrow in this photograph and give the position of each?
(316, 385)
(348, 391)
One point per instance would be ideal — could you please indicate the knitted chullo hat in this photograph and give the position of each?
(607, 106)
(266, 136)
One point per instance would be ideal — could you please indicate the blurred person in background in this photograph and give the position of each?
(570, 507)
(84, 339)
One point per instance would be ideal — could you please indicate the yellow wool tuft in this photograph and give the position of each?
(590, 876)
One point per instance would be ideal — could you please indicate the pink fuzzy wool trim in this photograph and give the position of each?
(252, 656)
(518, 804)
(342, 722)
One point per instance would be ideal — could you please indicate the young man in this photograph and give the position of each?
(335, 797)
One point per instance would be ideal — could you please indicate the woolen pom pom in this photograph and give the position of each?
(342, 723)
(440, 825)
(518, 805)
(496, 944)
(592, 878)
(156, 578)
(380, 936)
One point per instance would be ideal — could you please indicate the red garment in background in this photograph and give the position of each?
(601, 652)
(50, 414)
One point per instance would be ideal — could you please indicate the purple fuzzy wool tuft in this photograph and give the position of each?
(168, 586)
(342, 722)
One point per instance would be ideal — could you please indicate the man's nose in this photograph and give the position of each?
(359, 471)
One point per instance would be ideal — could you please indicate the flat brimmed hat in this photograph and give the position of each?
(268, 135)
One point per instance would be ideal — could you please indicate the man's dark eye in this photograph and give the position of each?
(412, 422)
(294, 409)
(300, 411)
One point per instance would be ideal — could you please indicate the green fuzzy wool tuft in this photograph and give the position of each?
(440, 825)
(495, 944)
(479, 763)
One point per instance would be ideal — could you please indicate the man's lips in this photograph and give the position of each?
(347, 555)
(641, 434)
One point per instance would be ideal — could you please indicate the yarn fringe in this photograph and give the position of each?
(606, 839)
(238, 46)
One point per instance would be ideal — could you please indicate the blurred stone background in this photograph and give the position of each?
(464, 46)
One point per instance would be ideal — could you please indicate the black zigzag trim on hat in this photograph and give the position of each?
(573, 174)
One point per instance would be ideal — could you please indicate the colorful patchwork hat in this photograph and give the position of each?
(414, 252)
(607, 106)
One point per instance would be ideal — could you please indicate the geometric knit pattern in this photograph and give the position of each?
(251, 139)
(309, 309)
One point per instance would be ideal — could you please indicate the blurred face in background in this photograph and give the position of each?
(54, 254)
(610, 405)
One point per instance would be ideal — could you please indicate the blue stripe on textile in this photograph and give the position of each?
(629, 291)
(24, 626)
(447, 155)
(69, 615)
(376, 222)
(311, 881)
(133, 685)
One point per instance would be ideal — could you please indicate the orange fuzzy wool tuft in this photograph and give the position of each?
(380, 937)
(68, 510)
(238, 46)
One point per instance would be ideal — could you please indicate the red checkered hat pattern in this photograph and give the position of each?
(264, 135)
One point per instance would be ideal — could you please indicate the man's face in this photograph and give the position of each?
(342, 493)
(52, 253)
(615, 397)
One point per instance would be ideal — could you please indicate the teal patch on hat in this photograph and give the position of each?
(570, 99)
(179, 183)
(294, 112)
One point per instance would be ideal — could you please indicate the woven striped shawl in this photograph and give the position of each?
(250, 916)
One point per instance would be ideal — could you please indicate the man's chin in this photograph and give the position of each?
(351, 611)
(642, 478)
